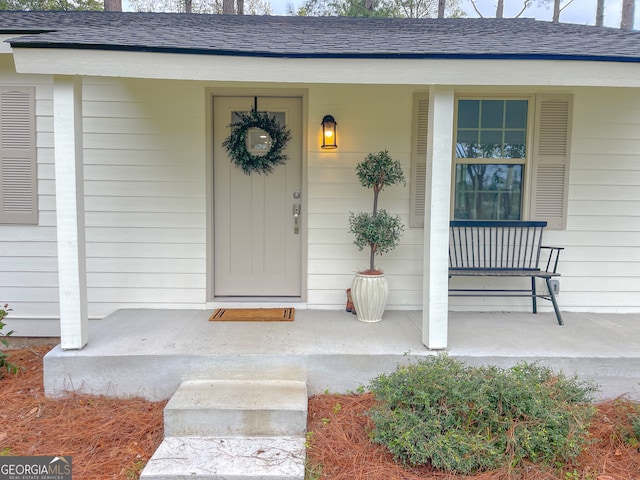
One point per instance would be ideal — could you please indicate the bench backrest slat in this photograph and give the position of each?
(485, 245)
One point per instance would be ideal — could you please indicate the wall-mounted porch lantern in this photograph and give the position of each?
(329, 139)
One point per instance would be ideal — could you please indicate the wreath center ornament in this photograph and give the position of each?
(257, 142)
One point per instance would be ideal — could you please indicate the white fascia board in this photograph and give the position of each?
(5, 47)
(326, 70)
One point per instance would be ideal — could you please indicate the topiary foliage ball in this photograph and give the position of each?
(381, 231)
(379, 170)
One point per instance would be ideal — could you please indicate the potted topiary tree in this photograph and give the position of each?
(377, 230)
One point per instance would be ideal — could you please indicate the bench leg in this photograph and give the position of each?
(533, 295)
(553, 300)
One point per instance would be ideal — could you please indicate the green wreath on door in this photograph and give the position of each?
(236, 143)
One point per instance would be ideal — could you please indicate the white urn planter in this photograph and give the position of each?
(369, 296)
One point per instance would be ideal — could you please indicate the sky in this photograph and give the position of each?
(580, 11)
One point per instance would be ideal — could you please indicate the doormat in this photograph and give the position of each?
(253, 315)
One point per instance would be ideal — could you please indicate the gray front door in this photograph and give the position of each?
(257, 247)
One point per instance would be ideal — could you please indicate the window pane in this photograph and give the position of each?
(468, 113)
(488, 192)
(516, 114)
(515, 144)
(492, 129)
(467, 145)
(491, 143)
(492, 114)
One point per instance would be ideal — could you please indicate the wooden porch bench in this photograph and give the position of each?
(503, 249)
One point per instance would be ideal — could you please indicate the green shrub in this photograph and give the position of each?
(4, 363)
(466, 419)
(635, 424)
(628, 428)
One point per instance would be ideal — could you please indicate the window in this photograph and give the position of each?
(18, 188)
(486, 191)
(490, 157)
(511, 158)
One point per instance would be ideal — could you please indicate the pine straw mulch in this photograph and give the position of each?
(341, 449)
(107, 438)
(113, 438)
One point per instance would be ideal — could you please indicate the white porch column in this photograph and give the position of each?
(435, 298)
(67, 122)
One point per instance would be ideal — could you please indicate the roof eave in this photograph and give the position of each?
(19, 43)
(390, 70)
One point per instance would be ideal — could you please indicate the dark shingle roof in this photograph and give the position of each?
(327, 37)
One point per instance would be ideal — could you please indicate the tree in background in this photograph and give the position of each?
(250, 7)
(500, 8)
(600, 13)
(427, 8)
(345, 8)
(376, 8)
(51, 5)
(558, 7)
(361, 8)
(628, 11)
(626, 22)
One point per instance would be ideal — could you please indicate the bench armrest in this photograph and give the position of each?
(552, 258)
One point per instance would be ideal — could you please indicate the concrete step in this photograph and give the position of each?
(230, 458)
(243, 407)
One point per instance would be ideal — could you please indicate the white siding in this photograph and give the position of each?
(28, 264)
(145, 203)
(145, 194)
(601, 263)
(369, 119)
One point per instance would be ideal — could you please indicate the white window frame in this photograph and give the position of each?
(525, 162)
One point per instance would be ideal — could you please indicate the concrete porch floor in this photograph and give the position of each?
(149, 353)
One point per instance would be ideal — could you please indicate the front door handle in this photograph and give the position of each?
(296, 219)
